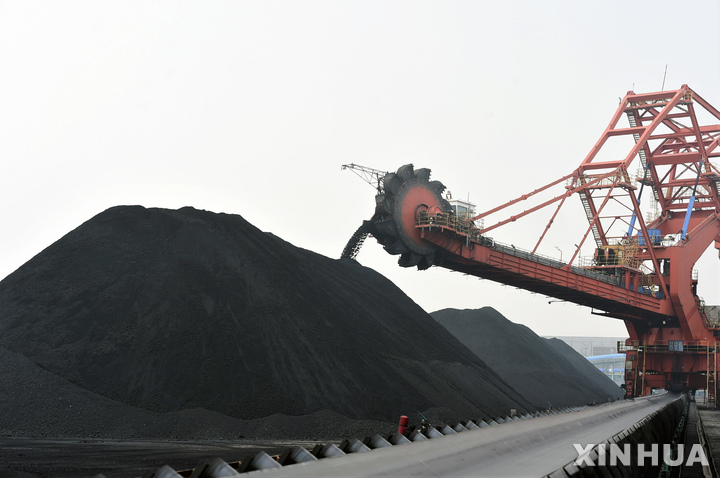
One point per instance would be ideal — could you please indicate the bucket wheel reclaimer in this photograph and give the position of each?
(402, 197)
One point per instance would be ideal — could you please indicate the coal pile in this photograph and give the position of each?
(529, 363)
(176, 312)
(39, 404)
(581, 363)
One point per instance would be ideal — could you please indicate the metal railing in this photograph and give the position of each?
(587, 266)
(666, 346)
(449, 222)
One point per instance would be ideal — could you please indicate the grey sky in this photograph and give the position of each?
(250, 108)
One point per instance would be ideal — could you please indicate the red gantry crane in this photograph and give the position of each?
(641, 271)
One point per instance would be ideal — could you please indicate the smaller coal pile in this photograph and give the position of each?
(581, 363)
(532, 365)
(177, 310)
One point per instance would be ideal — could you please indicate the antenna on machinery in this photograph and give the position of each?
(373, 177)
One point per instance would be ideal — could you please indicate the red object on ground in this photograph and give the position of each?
(402, 426)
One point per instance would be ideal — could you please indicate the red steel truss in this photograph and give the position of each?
(642, 271)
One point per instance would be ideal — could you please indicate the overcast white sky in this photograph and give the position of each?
(251, 107)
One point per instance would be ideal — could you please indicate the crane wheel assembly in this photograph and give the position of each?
(402, 197)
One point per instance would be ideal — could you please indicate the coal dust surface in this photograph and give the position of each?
(582, 364)
(187, 323)
(544, 372)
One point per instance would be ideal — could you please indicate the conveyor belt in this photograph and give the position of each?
(521, 447)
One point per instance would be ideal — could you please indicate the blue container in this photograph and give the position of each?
(655, 238)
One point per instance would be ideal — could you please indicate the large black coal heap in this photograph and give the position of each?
(544, 372)
(175, 309)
